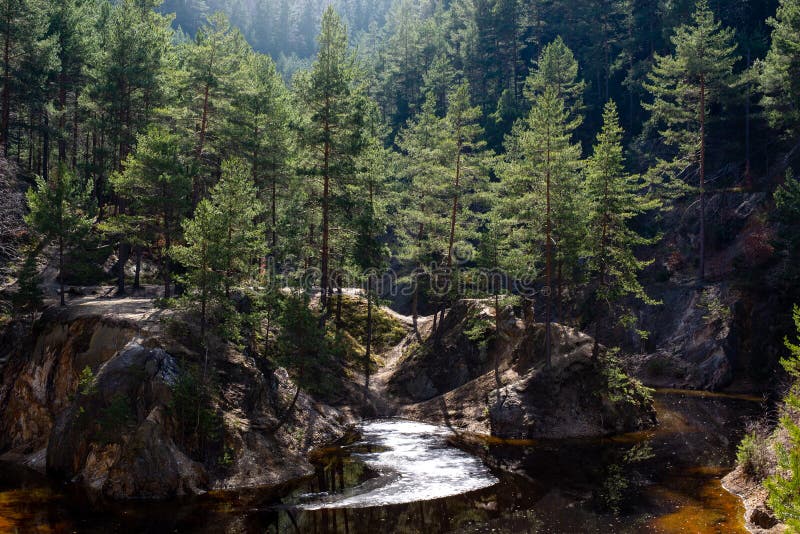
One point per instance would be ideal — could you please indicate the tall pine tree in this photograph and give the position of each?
(684, 86)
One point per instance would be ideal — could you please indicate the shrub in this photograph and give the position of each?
(753, 455)
(199, 424)
(86, 385)
(784, 486)
(113, 419)
(714, 308)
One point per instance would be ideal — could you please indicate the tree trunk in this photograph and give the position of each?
(748, 178)
(165, 263)
(203, 294)
(124, 254)
(702, 178)
(46, 146)
(603, 266)
(201, 145)
(75, 141)
(62, 118)
(4, 124)
(338, 302)
(61, 269)
(138, 271)
(274, 214)
(548, 266)
(415, 307)
(497, 339)
(325, 227)
(368, 351)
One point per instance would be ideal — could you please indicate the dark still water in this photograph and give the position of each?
(408, 477)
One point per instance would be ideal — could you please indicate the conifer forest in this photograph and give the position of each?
(358, 266)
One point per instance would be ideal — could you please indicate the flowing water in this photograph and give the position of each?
(414, 463)
(409, 477)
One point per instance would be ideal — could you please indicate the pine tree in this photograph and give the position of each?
(72, 24)
(223, 241)
(212, 61)
(424, 208)
(257, 129)
(444, 161)
(128, 84)
(333, 132)
(28, 297)
(61, 212)
(543, 191)
(684, 86)
(616, 198)
(784, 486)
(200, 256)
(464, 148)
(369, 253)
(22, 25)
(156, 186)
(787, 214)
(237, 204)
(780, 70)
(557, 69)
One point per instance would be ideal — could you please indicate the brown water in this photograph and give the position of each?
(664, 480)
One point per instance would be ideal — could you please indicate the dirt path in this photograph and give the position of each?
(139, 307)
(384, 403)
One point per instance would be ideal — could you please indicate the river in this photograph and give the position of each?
(408, 477)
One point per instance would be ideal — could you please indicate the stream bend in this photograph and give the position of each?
(414, 463)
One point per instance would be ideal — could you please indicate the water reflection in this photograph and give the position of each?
(664, 480)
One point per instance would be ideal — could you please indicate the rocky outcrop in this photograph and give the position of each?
(118, 437)
(99, 401)
(41, 374)
(697, 346)
(759, 517)
(739, 344)
(579, 396)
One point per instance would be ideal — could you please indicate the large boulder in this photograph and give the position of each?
(578, 396)
(502, 386)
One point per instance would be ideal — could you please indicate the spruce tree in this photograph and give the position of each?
(684, 86)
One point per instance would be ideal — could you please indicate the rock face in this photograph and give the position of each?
(739, 348)
(577, 397)
(41, 374)
(449, 359)
(118, 438)
(121, 431)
